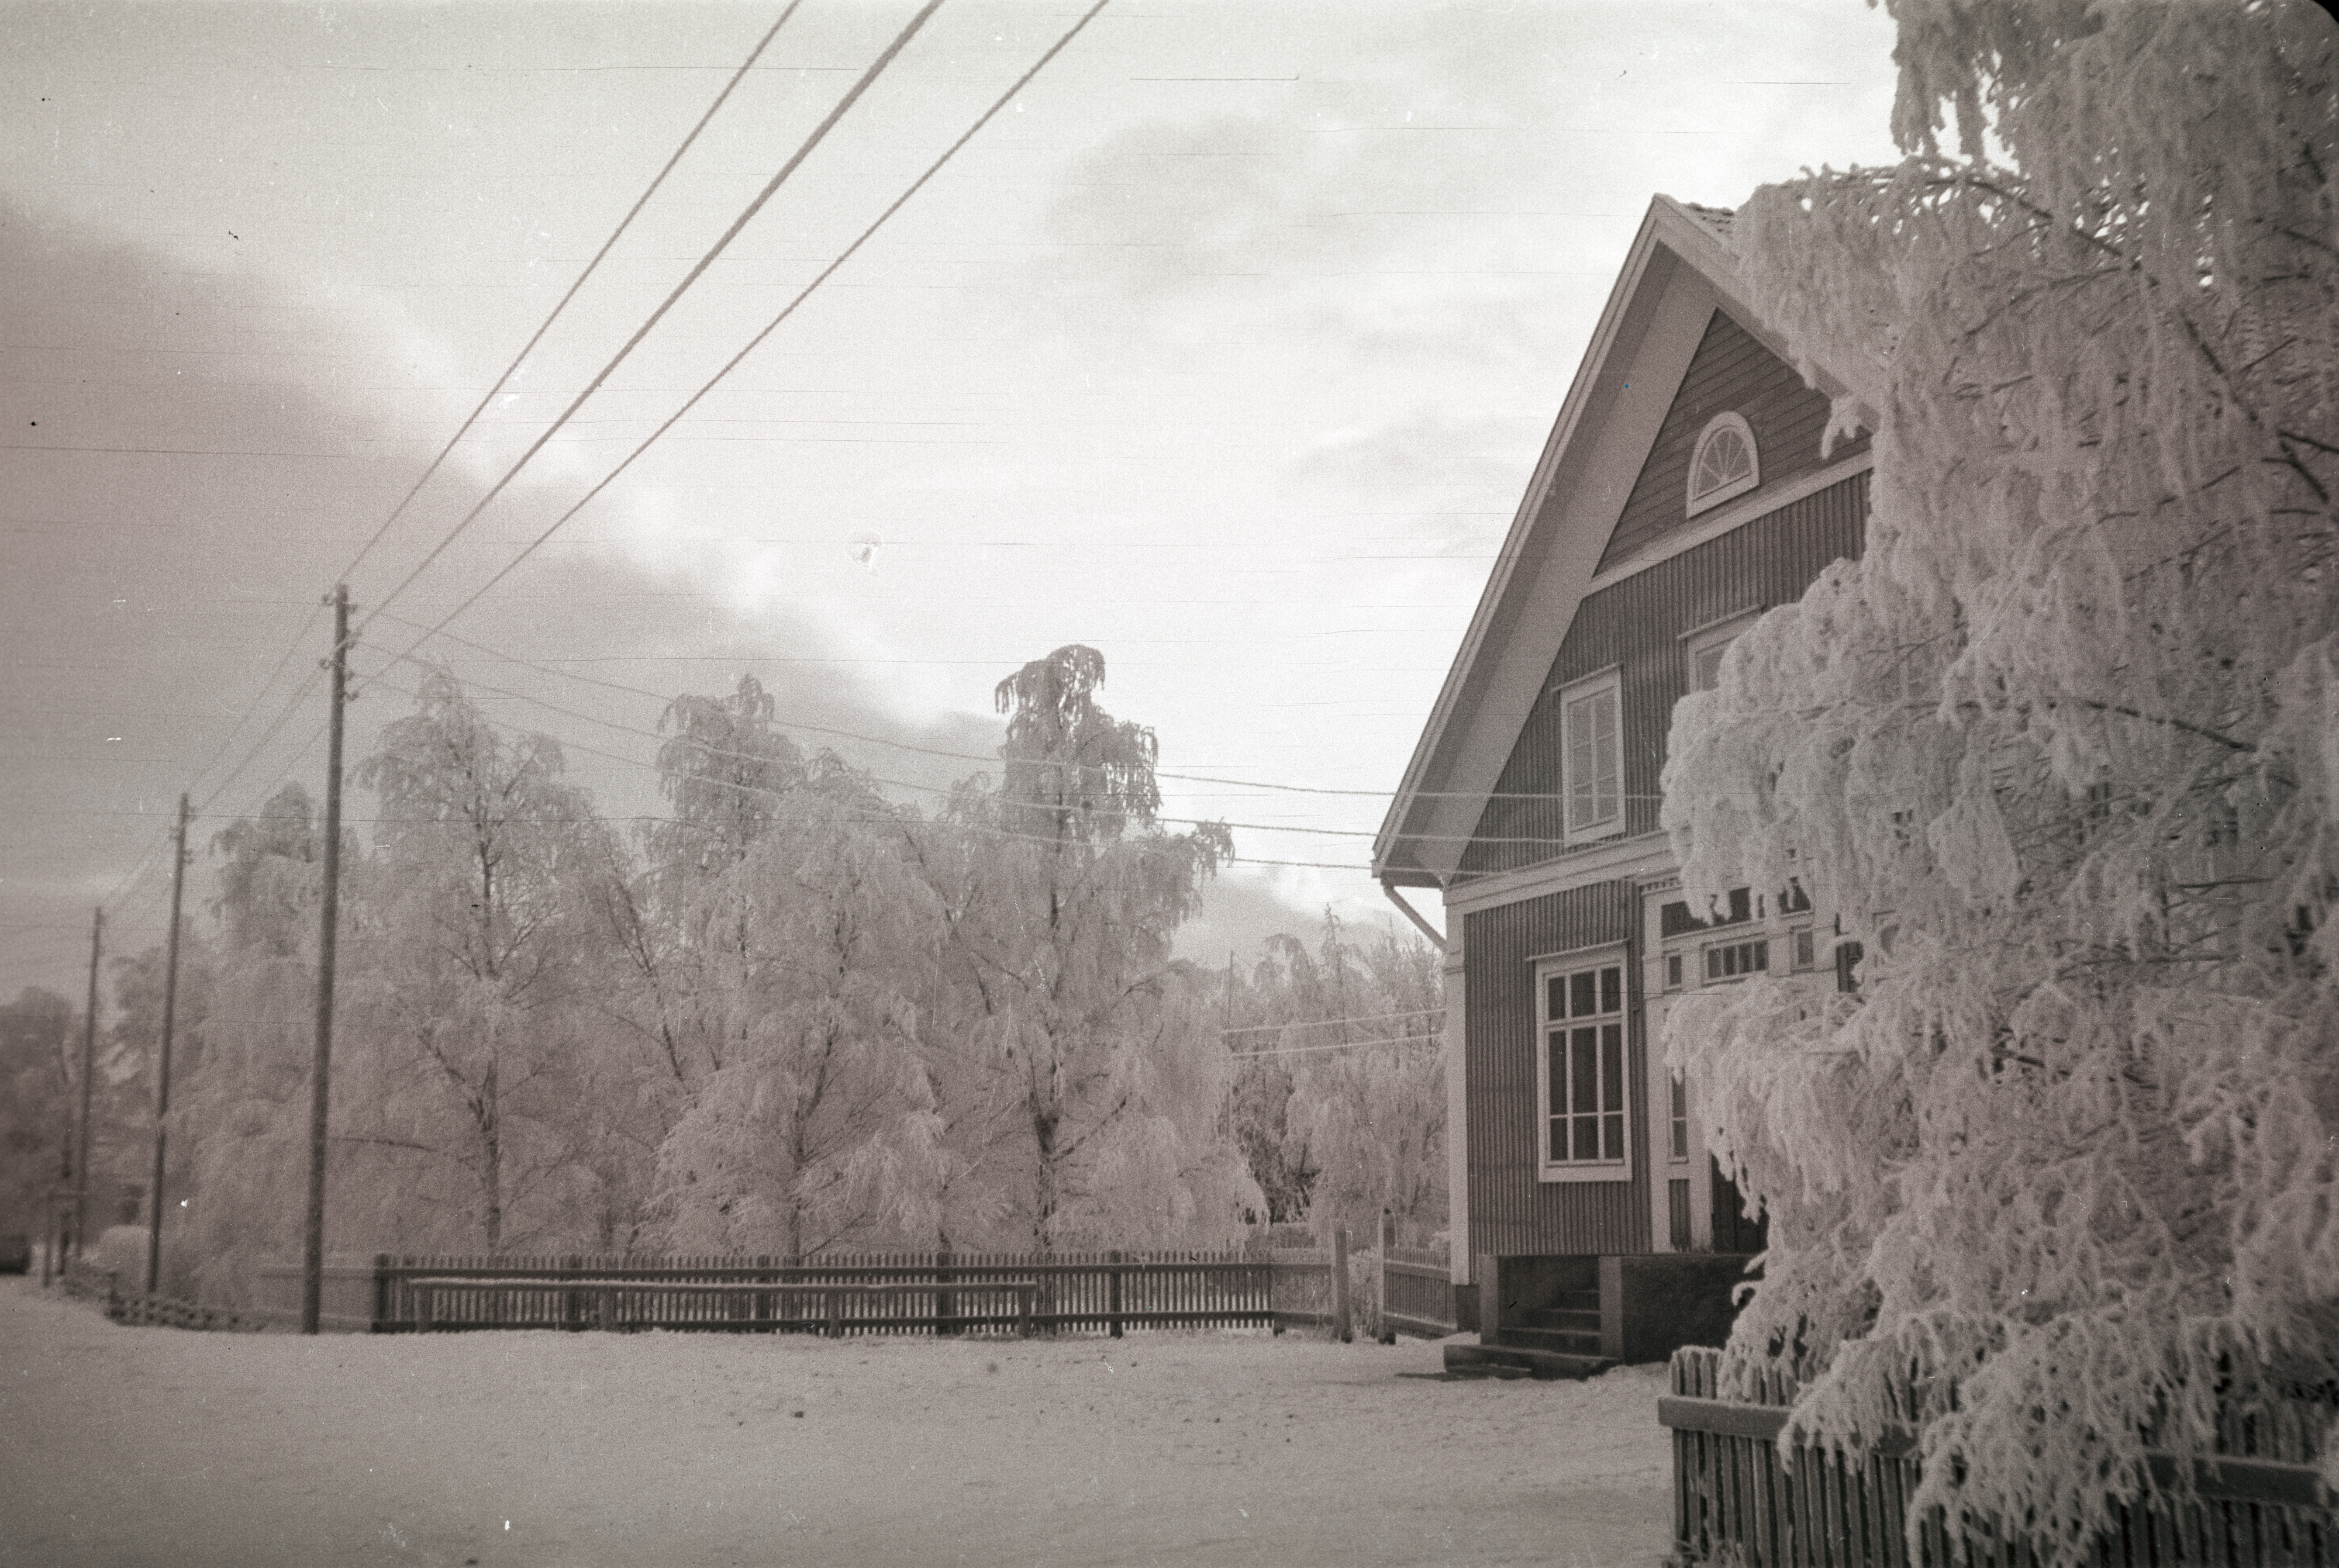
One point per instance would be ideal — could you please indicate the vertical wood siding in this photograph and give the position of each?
(1511, 1214)
(1637, 624)
(1730, 372)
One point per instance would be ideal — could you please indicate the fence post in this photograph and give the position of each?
(1388, 1239)
(1112, 1294)
(1267, 1264)
(1023, 1297)
(381, 1293)
(608, 1309)
(1341, 1326)
(836, 1318)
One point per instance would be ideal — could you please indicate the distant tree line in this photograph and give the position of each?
(790, 1015)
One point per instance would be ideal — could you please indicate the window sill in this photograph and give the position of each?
(1607, 1170)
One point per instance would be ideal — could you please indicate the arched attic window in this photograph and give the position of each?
(1723, 463)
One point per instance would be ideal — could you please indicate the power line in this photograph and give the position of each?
(470, 421)
(554, 670)
(598, 256)
(1327, 1022)
(1344, 1045)
(748, 213)
(382, 680)
(788, 310)
(729, 755)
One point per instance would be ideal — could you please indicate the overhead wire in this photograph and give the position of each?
(558, 673)
(437, 462)
(712, 751)
(746, 214)
(382, 680)
(577, 284)
(788, 310)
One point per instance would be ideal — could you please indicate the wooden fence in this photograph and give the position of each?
(1416, 1288)
(1737, 1500)
(857, 1294)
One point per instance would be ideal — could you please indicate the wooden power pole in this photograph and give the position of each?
(312, 1251)
(88, 1072)
(162, 1068)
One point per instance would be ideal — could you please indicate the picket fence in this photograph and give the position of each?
(1416, 1294)
(2261, 1502)
(887, 1293)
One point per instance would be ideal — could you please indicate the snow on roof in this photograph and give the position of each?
(1714, 219)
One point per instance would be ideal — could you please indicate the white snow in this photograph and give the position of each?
(124, 1446)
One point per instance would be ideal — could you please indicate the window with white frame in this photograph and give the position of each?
(1723, 463)
(1592, 755)
(1701, 650)
(1678, 1120)
(1580, 1070)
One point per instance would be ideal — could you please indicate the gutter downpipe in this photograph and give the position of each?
(1436, 938)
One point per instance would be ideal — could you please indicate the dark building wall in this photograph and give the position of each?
(1637, 624)
(1730, 372)
(1512, 1213)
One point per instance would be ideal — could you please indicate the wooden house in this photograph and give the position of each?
(1681, 492)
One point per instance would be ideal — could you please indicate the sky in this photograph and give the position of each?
(1227, 348)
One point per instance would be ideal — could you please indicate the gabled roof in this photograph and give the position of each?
(1679, 269)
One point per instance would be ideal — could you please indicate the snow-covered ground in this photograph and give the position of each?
(124, 1446)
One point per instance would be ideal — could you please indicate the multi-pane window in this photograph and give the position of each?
(1582, 1066)
(1592, 756)
(1701, 650)
(1680, 1119)
(1805, 944)
(1733, 960)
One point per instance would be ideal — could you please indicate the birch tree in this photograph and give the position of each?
(815, 1129)
(464, 994)
(1088, 1079)
(2060, 747)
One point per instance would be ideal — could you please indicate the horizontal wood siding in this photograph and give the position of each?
(1637, 624)
(1511, 1214)
(1730, 374)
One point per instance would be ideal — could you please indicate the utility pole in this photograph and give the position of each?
(313, 1252)
(163, 1075)
(88, 1071)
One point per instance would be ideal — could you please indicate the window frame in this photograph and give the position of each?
(1564, 967)
(1608, 683)
(1698, 641)
(1731, 490)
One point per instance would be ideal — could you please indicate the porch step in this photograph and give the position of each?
(1518, 1361)
(1563, 1341)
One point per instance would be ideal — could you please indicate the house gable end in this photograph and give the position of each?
(1731, 372)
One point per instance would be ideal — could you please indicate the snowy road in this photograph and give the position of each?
(128, 1446)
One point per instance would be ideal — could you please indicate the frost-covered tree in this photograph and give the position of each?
(240, 1098)
(35, 1108)
(816, 1129)
(2061, 748)
(1080, 1071)
(463, 996)
(1339, 1100)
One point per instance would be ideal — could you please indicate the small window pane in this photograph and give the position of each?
(1612, 989)
(1612, 1131)
(1611, 1066)
(1587, 1138)
(1558, 1080)
(1673, 971)
(1580, 995)
(1554, 1000)
(1583, 1080)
